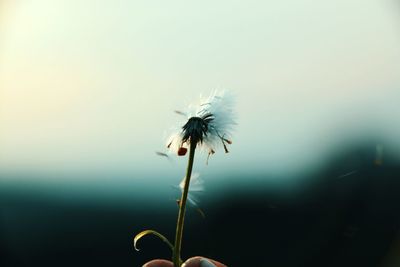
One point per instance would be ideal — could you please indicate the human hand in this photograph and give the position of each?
(192, 262)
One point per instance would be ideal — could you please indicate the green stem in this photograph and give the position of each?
(176, 257)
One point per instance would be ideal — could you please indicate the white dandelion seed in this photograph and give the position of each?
(209, 125)
(196, 187)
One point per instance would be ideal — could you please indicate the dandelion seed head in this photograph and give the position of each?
(210, 123)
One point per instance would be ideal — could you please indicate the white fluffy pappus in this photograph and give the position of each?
(209, 123)
(196, 186)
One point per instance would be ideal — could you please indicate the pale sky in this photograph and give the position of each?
(92, 85)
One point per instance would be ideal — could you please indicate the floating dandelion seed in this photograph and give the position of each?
(196, 186)
(162, 154)
(347, 174)
(180, 113)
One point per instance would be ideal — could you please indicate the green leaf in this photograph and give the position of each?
(152, 232)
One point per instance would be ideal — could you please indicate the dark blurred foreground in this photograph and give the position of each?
(346, 215)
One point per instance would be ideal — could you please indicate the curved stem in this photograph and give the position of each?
(176, 258)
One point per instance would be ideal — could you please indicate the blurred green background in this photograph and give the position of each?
(87, 94)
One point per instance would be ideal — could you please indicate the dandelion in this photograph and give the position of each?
(208, 126)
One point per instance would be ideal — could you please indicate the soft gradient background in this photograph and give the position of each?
(88, 90)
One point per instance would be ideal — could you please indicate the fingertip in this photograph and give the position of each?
(206, 263)
(202, 262)
(158, 263)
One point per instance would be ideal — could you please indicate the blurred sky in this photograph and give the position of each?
(90, 86)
